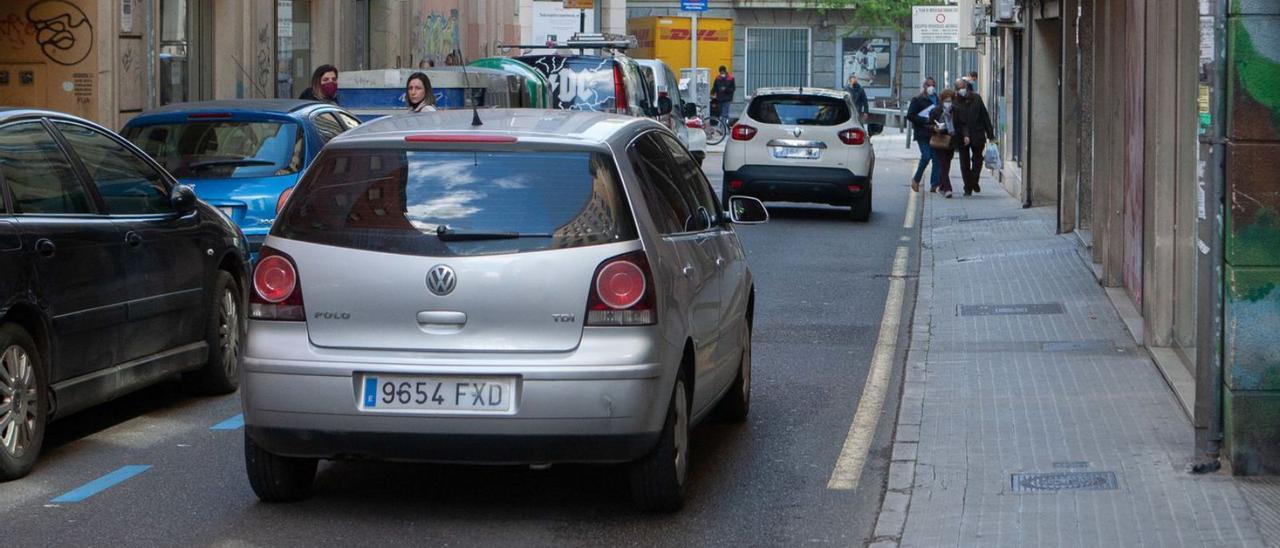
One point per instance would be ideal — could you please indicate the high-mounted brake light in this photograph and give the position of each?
(458, 138)
(853, 136)
(208, 115)
(743, 132)
(277, 293)
(622, 292)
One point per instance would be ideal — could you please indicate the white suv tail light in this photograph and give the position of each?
(743, 132)
(855, 136)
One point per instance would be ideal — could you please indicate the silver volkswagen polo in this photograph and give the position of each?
(551, 286)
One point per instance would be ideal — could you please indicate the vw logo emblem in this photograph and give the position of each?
(441, 280)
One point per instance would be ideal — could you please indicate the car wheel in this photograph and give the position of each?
(23, 404)
(658, 479)
(275, 478)
(861, 210)
(736, 404)
(224, 333)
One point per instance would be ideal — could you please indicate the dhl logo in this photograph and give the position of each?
(704, 35)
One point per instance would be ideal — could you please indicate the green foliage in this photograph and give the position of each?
(875, 14)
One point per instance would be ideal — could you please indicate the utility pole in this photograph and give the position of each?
(693, 47)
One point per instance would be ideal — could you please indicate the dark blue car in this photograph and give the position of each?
(241, 156)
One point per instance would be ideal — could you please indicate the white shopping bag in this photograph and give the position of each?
(992, 157)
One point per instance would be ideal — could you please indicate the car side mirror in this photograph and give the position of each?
(745, 210)
(183, 199)
(664, 105)
(875, 129)
(690, 110)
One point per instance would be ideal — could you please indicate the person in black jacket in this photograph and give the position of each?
(920, 131)
(974, 124)
(859, 94)
(944, 120)
(722, 91)
(324, 85)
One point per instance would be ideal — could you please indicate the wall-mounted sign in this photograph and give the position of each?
(935, 24)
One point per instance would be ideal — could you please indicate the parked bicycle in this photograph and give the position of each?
(715, 127)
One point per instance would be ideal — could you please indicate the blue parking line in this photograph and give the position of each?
(232, 423)
(102, 484)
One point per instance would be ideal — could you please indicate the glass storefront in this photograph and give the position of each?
(293, 47)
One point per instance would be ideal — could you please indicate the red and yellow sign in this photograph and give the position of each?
(668, 39)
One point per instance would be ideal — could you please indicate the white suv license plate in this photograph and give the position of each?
(797, 153)
(437, 393)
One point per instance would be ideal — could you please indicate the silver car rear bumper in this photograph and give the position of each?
(603, 402)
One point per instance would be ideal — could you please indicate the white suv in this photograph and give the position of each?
(802, 145)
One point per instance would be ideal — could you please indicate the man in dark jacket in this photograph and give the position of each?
(722, 91)
(921, 131)
(974, 126)
(859, 94)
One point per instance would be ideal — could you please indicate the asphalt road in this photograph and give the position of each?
(821, 288)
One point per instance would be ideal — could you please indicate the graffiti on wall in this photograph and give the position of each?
(436, 36)
(63, 32)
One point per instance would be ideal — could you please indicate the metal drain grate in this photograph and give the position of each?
(982, 219)
(1063, 481)
(1009, 309)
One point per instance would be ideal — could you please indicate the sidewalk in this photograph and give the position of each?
(1029, 417)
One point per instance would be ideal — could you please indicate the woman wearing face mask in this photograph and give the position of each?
(921, 132)
(945, 139)
(324, 85)
(418, 94)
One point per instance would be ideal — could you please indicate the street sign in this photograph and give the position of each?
(935, 24)
(693, 5)
(579, 4)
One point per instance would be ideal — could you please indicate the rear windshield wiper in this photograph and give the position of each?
(447, 234)
(240, 162)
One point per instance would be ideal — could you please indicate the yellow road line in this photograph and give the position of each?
(857, 443)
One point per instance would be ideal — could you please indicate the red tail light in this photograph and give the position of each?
(622, 292)
(694, 123)
(853, 136)
(736, 184)
(619, 90)
(284, 197)
(743, 132)
(277, 294)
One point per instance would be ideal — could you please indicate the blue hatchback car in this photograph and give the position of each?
(241, 156)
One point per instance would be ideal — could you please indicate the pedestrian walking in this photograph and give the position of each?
(324, 85)
(918, 114)
(418, 93)
(972, 78)
(859, 94)
(722, 90)
(974, 125)
(945, 139)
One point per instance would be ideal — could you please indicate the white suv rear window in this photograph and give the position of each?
(799, 110)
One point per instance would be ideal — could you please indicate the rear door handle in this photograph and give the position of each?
(45, 247)
(132, 239)
(719, 262)
(687, 270)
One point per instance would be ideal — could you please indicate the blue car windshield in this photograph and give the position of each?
(222, 149)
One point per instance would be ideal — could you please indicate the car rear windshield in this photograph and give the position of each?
(578, 83)
(799, 110)
(222, 149)
(458, 203)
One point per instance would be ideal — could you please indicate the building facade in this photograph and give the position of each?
(107, 60)
(1149, 125)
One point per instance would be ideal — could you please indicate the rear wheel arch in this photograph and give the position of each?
(30, 318)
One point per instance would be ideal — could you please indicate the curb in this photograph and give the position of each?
(892, 519)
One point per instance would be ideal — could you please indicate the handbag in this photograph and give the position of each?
(940, 141)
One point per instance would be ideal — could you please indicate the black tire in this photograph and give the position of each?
(24, 405)
(275, 478)
(736, 404)
(861, 211)
(224, 332)
(658, 479)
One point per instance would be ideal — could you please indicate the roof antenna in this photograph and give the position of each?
(466, 88)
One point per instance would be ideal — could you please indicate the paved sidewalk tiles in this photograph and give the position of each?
(1028, 416)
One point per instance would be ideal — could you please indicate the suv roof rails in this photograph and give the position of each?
(584, 41)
